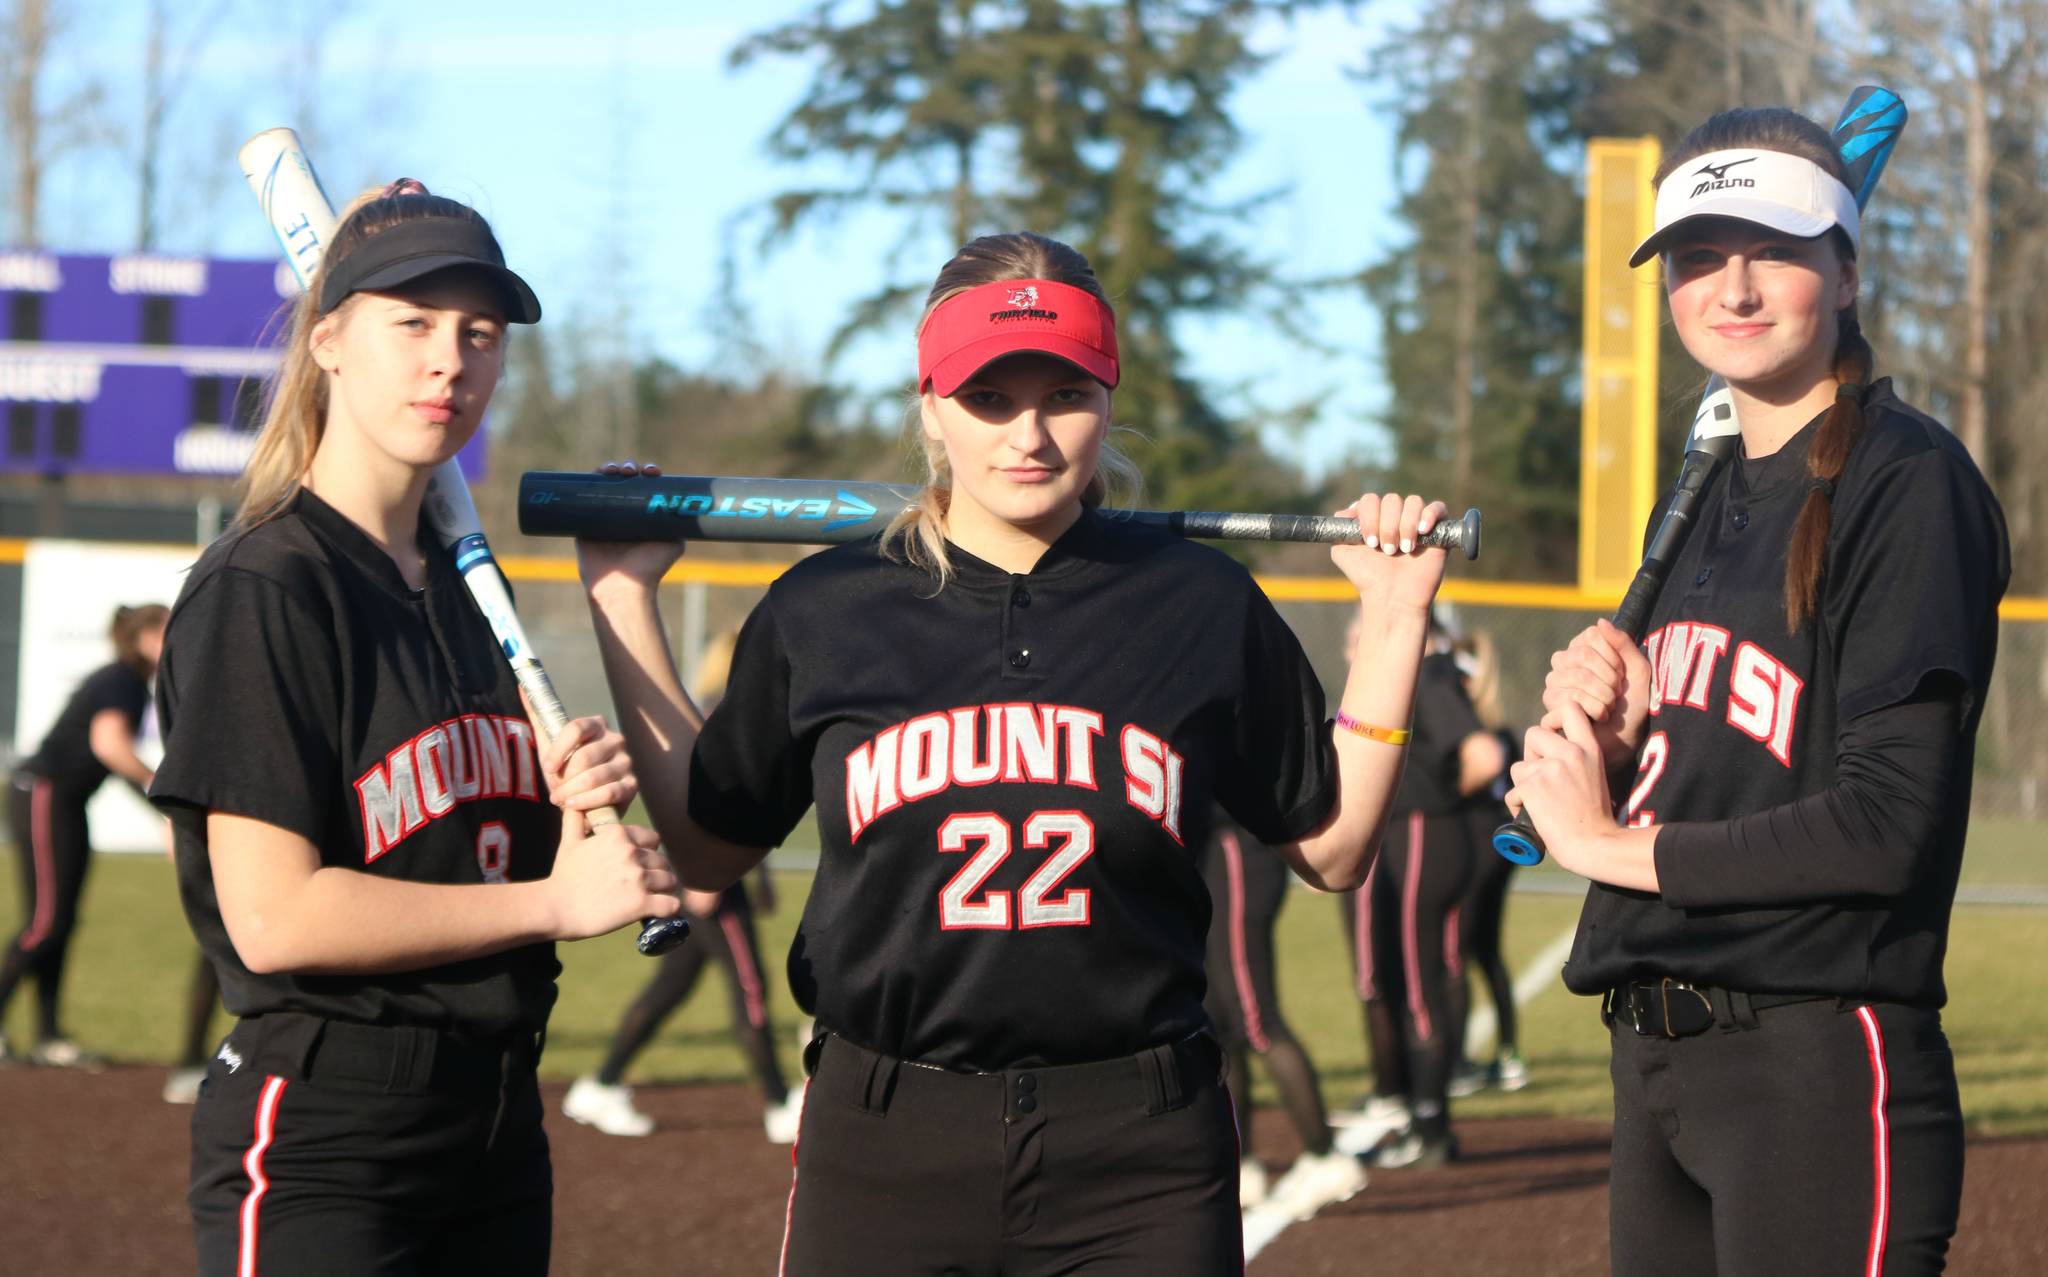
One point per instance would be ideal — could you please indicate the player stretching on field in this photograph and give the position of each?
(1013, 714)
(1792, 746)
(93, 737)
(1247, 886)
(724, 935)
(366, 847)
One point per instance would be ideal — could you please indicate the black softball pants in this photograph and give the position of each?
(1247, 885)
(727, 937)
(340, 1150)
(1815, 1138)
(1482, 917)
(1404, 959)
(54, 848)
(1121, 1168)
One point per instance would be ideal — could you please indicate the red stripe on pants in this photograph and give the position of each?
(252, 1165)
(1880, 1132)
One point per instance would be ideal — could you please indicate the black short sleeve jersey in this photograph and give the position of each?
(1747, 716)
(1013, 777)
(305, 685)
(66, 758)
(1444, 717)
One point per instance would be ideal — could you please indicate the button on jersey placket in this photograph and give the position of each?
(1017, 652)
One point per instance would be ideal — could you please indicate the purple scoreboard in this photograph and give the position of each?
(139, 364)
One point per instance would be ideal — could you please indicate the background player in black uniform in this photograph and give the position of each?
(93, 736)
(366, 847)
(1403, 957)
(1247, 885)
(725, 936)
(1013, 716)
(1767, 926)
(1481, 915)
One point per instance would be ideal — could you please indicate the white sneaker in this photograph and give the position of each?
(1468, 1079)
(1514, 1072)
(1357, 1131)
(1316, 1181)
(608, 1108)
(1252, 1185)
(63, 1053)
(781, 1121)
(182, 1086)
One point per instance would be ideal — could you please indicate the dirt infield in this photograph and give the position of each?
(92, 1172)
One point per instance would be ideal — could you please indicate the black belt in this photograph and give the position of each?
(396, 1058)
(1155, 1080)
(1672, 1008)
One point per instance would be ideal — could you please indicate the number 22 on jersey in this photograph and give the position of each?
(1068, 835)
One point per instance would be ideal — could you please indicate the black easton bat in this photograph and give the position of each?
(1871, 122)
(614, 507)
(297, 208)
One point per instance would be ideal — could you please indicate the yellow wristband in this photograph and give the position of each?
(1391, 735)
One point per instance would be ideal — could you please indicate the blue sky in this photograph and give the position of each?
(611, 148)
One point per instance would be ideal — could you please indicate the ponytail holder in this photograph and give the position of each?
(1826, 487)
(1849, 390)
(403, 186)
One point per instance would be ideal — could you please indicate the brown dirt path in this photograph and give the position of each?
(92, 1173)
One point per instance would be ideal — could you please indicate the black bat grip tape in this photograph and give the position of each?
(659, 935)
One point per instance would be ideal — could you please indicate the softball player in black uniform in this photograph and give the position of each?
(366, 847)
(1405, 951)
(1013, 714)
(1247, 885)
(93, 737)
(724, 935)
(1479, 918)
(1767, 922)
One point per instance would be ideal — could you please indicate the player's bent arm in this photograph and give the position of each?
(1874, 833)
(1380, 689)
(286, 912)
(661, 723)
(112, 741)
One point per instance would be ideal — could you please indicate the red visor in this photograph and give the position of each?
(970, 331)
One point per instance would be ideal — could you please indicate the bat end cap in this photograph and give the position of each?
(1516, 843)
(659, 935)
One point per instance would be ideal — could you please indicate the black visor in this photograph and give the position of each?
(413, 249)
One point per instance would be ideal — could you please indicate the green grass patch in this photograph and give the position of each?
(133, 958)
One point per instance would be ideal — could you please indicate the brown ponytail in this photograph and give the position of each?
(127, 629)
(1825, 457)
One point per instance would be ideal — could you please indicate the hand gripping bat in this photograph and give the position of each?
(1868, 130)
(282, 177)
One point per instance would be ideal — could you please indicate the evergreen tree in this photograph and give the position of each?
(1480, 308)
(1098, 123)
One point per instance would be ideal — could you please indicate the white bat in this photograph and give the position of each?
(298, 210)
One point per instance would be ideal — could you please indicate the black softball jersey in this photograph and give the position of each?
(1013, 777)
(1811, 833)
(1444, 717)
(65, 757)
(304, 684)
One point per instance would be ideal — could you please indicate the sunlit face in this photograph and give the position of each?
(413, 370)
(1023, 437)
(1757, 306)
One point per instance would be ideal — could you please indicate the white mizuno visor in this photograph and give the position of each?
(1784, 192)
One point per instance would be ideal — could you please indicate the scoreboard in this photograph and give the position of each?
(139, 364)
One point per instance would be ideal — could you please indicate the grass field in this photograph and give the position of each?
(133, 958)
